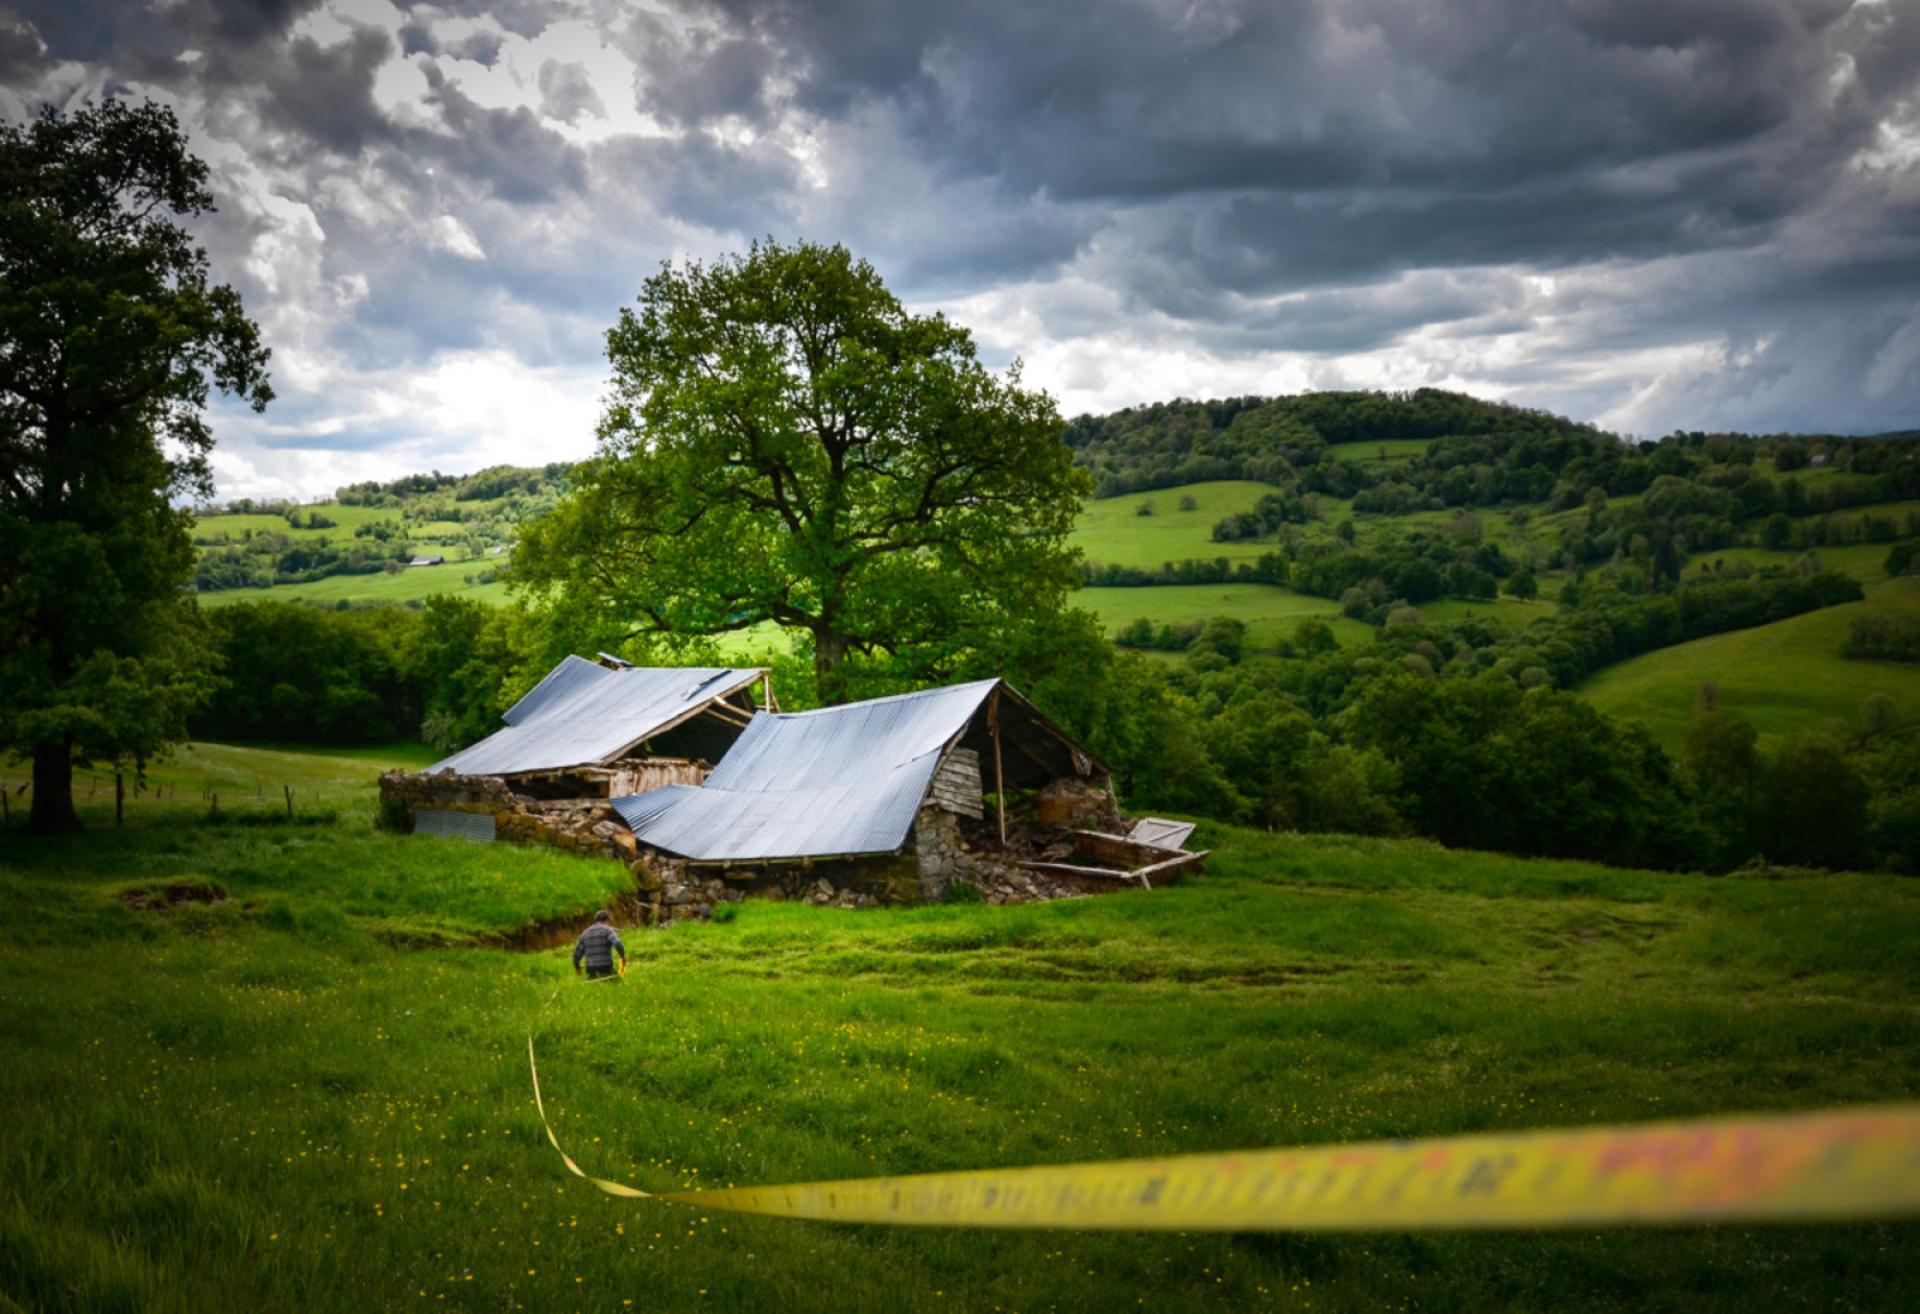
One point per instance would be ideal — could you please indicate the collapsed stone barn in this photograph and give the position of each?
(587, 733)
(886, 801)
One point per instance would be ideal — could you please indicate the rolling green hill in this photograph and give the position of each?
(1787, 678)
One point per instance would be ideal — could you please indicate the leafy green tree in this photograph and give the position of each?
(460, 657)
(783, 442)
(1313, 637)
(1722, 758)
(1522, 584)
(1815, 807)
(1777, 532)
(111, 338)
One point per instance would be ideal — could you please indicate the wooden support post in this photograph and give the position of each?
(119, 797)
(766, 691)
(289, 793)
(215, 814)
(999, 777)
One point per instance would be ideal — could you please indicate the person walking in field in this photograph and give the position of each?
(597, 946)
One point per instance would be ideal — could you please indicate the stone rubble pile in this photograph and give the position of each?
(944, 850)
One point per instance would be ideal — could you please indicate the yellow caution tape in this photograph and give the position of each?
(1850, 1164)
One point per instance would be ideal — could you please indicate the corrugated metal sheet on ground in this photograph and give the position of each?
(838, 781)
(1161, 833)
(583, 713)
(476, 826)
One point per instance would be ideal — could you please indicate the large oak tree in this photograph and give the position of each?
(111, 338)
(783, 441)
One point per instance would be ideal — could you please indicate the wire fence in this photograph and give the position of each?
(229, 798)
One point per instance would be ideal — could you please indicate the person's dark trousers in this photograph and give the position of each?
(596, 973)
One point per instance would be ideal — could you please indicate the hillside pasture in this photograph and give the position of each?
(1111, 531)
(1390, 451)
(1271, 613)
(1787, 678)
(410, 585)
(282, 1100)
(346, 518)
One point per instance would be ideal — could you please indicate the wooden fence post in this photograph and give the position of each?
(119, 798)
(216, 807)
(289, 792)
(999, 778)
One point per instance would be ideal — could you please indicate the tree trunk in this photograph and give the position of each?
(53, 812)
(829, 652)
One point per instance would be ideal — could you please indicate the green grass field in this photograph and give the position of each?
(1866, 562)
(285, 1100)
(213, 529)
(1787, 678)
(1271, 613)
(1511, 612)
(408, 586)
(1113, 532)
(1391, 451)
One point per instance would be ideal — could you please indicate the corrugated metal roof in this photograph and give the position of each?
(828, 783)
(582, 713)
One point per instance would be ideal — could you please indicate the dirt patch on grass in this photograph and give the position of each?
(172, 894)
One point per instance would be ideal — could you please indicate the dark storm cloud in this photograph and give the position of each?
(1220, 179)
(325, 93)
(509, 152)
(109, 29)
(698, 78)
(21, 50)
(1517, 116)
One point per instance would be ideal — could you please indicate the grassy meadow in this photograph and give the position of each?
(1113, 532)
(1271, 613)
(1787, 678)
(410, 585)
(312, 1093)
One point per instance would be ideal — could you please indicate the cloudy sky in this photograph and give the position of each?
(1653, 214)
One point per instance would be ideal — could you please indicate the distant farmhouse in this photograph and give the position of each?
(710, 798)
(435, 560)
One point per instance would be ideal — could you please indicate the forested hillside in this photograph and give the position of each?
(1283, 439)
(371, 529)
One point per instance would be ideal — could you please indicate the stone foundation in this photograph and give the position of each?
(943, 851)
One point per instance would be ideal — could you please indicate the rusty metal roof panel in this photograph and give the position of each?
(582, 713)
(835, 782)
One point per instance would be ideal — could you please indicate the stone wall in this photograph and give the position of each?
(584, 826)
(942, 851)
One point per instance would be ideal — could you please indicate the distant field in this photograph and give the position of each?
(1866, 562)
(1508, 611)
(409, 585)
(347, 519)
(1391, 451)
(1787, 678)
(1113, 532)
(1271, 613)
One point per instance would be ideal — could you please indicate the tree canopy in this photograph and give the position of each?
(111, 337)
(784, 442)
